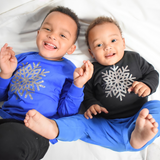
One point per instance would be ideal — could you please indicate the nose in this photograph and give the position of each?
(52, 36)
(107, 47)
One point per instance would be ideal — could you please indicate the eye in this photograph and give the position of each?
(63, 36)
(99, 45)
(114, 40)
(47, 29)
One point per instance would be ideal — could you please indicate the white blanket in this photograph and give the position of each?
(140, 23)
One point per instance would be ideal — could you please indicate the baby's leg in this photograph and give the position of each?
(41, 125)
(145, 129)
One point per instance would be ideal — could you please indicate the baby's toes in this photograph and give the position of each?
(149, 116)
(154, 130)
(155, 124)
(152, 120)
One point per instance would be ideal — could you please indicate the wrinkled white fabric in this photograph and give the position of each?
(140, 23)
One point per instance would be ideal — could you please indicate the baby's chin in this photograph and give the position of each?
(51, 58)
(109, 62)
(113, 61)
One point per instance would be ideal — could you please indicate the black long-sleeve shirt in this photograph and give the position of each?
(109, 85)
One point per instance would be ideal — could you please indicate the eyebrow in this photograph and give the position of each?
(113, 35)
(109, 36)
(47, 23)
(61, 28)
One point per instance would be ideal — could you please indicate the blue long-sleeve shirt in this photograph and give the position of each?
(40, 84)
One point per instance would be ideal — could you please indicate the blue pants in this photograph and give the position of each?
(110, 133)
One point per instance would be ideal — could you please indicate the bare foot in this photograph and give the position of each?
(41, 125)
(146, 128)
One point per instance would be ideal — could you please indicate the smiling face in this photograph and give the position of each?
(106, 43)
(56, 36)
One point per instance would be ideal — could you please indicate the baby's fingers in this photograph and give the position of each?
(145, 93)
(89, 67)
(12, 54)
(88, 114)
(104, 110)
(5, 46)
(7, 52)
(3, 49)
(79, 71)
(94, 110)
(130, 89)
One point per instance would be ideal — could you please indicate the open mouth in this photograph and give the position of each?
(49, 46)
(110, 55)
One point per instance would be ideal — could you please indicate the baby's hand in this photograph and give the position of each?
(83, 74)
(94, 109)
(8, 62)
(140, 88)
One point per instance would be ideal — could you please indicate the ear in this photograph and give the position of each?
(90, 52)
(71, 49)
(37, 33)
(124, 44)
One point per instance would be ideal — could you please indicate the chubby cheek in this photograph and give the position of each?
(93, 54)
(40, 37)
(38, 41)
(99, 59)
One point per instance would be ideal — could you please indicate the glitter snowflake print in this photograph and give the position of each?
(27, 78)
(117, 81)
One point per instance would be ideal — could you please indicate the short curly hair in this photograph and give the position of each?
(98, 21)
(68, 12)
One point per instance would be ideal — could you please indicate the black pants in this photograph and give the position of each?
(17, 142)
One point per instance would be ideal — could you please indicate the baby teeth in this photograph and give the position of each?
(51, 45)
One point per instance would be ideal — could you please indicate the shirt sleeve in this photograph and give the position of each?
(70, 99)
(4, 87)
(150, 75)
(4, 83)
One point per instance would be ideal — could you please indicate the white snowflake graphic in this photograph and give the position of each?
(117, 81)
(27, 78)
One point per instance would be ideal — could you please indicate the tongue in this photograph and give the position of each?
(109, 55)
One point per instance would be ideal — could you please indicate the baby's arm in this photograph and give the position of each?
(94, 109)
(83, 74)
(8, 62)
(72, 94)
(140, 88)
